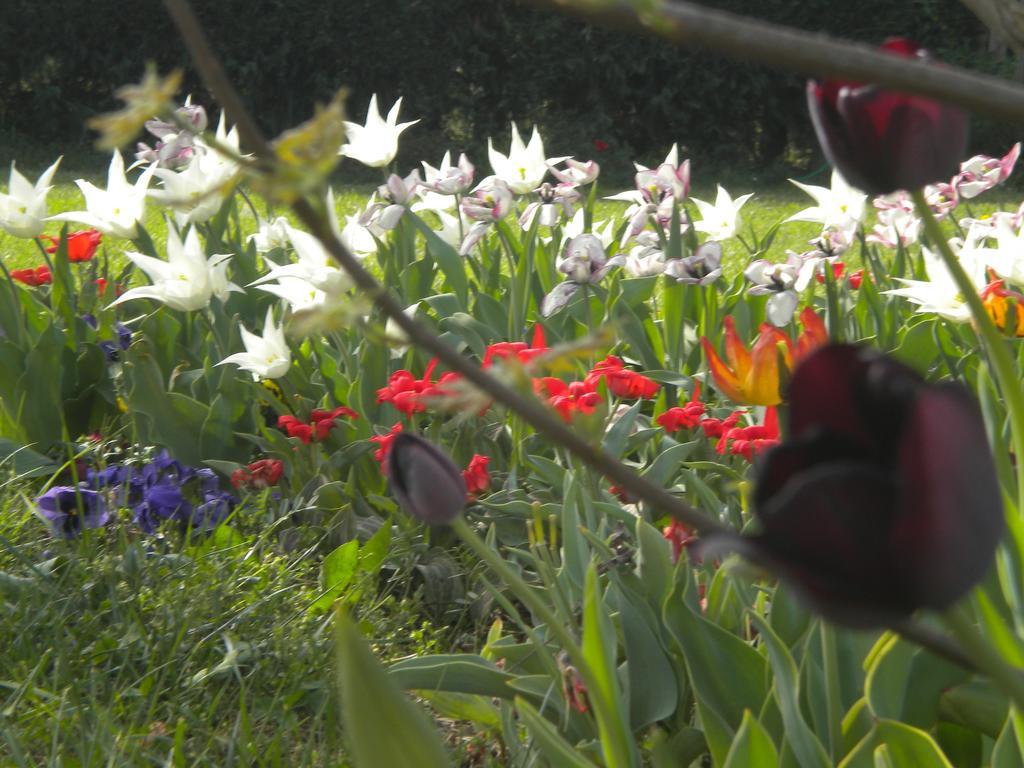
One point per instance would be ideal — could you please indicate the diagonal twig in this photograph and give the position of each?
(794, 50)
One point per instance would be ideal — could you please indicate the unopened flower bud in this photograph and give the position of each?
(426, 483)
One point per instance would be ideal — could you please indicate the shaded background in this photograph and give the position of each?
(466, 69)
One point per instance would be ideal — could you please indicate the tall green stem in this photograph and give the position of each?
(618, 755)
(999, 358)
(1003, 675)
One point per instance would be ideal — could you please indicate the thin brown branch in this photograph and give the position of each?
(809, 53)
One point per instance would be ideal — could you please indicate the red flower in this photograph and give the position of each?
(82, 245)
(33, 277)
(856, 278)
(601, 145)
(881, 140)
(384, 443)
(294, 427)
(101, 287)
(621, 381)
(683, 417)
(813, 335)
(717, 427)
(503, 350)
(264, 473)
(837, 272)
(678, 535)
(319, 425)
(752, 440)
(567, 399)
(323, 421)
(478, 480)
(408, 394)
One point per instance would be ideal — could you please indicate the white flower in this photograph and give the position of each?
(644, 260)
(266, 357)
(197, 192)
(187, 280)
(605, 230)
(271, 235)
(376, 143)
(719, 221)
(23, 208)
(357, 238)
(315, 265)
(782, 282)
(840, 207)
(524, 168)
(940, 293)
(1007, 258)
(298, 293)
(116, 210)
(452, 228)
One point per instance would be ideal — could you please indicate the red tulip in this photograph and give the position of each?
(884, 497)
(882, 141)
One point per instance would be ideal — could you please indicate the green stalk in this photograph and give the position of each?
(1005, 676)
(999, 358)
(830, 663)
(618, 754)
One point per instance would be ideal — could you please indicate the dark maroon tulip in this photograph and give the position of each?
(883, 498)
(882, 141)
(425, 481)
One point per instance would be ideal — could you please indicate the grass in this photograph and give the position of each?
(119, 651)
(125, 651)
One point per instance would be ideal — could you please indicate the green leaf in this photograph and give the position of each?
(453, 673)
(615, 440)
(548, 740)
(336, 572)
(1009, 749)
(24, 461)
(599, 650)
(383, 728)
(801, 739)
(453, 265)
(728, 676)
(649, 678)
(898, 745)
(752, 745)
(904, 683)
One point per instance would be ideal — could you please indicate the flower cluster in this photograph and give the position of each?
(318, 427)
(158, 491)
(258, 475)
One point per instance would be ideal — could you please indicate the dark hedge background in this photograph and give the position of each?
(466, 67)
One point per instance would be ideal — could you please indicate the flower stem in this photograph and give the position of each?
(830, 663)
(999, 358)
(1006, 677)
(556, 628)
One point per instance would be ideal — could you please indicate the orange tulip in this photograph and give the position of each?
(750, 376)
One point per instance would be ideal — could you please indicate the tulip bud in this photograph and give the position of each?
(882, 141)
(426, 483)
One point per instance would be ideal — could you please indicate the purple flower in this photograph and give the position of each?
(213, 511)
(67, 510)
(161, 501)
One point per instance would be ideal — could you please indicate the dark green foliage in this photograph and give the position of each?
(465, 68)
